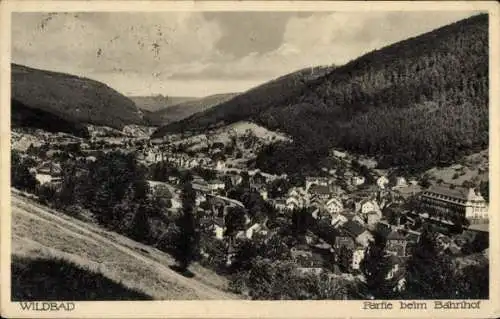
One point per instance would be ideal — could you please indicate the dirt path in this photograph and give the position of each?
(91, 233)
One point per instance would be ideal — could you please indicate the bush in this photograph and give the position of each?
(47, 193)
(282, 281)
(167, 240)
(214, 256)
(20, 176)
(238, 283)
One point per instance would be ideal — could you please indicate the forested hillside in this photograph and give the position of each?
(23, 116)
(250, 104)
(71, 98)
(422, 101)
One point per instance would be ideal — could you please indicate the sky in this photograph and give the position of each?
(203, 53)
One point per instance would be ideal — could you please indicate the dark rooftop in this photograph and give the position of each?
(319, 189)
(395, 235)
(353, 228)
(383, 229)
(457, 192)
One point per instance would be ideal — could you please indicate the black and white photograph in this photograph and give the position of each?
(250, 155)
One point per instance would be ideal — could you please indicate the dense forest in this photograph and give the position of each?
(23, 116)
(72, 98)
(422, 101)
(248, 104)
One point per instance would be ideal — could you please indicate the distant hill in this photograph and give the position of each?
(184, 109)
(249, 104)
(419, 102)
(63, 102)
(157, 102)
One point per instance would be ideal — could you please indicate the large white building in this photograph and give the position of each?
(444, 201)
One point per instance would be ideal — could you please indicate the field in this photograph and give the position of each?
(474, 166)
(104, 262)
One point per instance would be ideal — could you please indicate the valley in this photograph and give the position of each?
(363, 180)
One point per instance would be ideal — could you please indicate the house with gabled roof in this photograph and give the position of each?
(338, 220)
(366, 205)
(358, 232)
(258, 179)
(334, 205)
(297, 197)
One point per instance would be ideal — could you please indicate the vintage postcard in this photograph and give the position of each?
(207, 159)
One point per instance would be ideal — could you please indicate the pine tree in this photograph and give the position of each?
(186, 245)
(345, 258)
(139, 228)
(375, 266)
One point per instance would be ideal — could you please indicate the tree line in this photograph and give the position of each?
(113, 190)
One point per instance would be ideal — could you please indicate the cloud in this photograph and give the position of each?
(192, 53)
(106, 42)
(245, 32)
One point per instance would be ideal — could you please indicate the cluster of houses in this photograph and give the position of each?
(343, 221)
(154, 154)
(349, 223)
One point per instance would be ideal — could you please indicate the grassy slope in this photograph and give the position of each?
(41, 233)
(72, 98)
(474, 166)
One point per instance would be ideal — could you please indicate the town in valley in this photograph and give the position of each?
(358, 181)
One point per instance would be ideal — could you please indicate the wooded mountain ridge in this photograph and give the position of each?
(70, 98)
(248, 104)
(419, 102)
